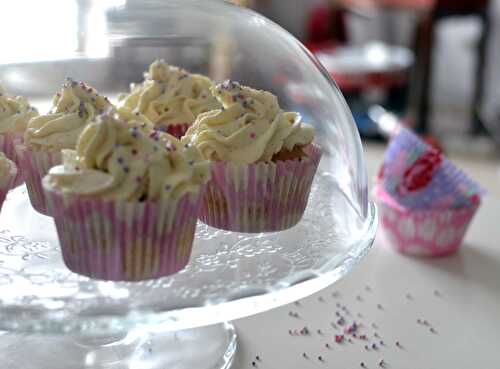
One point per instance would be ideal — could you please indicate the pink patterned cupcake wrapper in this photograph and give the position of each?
(176, 130)
(8, 143)
(419, 232)
(121, 241)
(419, 176)
(263, 197)
(7, 183)
(34, 166)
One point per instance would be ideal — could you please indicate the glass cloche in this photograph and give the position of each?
(109, 45)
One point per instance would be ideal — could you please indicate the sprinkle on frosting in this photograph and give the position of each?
(251, 127)
(15, 113)
(118, 162)
(74, 107)
(169, 95)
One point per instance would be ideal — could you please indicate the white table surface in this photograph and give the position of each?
(458, 297)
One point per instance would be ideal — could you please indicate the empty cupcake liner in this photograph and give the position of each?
(262, 197)
(423, 232)
(8, 143)
(176, 130)
(417, 175)
(7, 182)
(124, 241)
(34, 166)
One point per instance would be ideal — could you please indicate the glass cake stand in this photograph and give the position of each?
(50, 315)
(48, 310)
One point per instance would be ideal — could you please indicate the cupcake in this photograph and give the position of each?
(426, 203)
(170, 97)
(263, 161)
(8, 174)
(15, 113)
(74, 107)
(125, 204)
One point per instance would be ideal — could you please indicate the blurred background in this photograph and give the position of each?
(432, 62)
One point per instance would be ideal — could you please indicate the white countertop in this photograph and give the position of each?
(456, 297)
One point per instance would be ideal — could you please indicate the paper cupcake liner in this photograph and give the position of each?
(176, 130)
(6, 183)
(34, 166)
(8, 143)
(419, 176)
(423, 232)
(263, 197)
(122, 241)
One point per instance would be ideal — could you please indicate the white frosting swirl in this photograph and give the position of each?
(73, 109)
(251, 127)
(15, 113)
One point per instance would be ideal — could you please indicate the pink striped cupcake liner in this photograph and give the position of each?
(7, 182)
(8, 143)
(262, 197)
(176, 130)
(423, 232)
(124, 241)
(34, 166)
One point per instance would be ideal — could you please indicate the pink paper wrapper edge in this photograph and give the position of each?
(7, 184)
(417, 232)
(121, 241)
(8, 143)
(263, 197)
(34, 166)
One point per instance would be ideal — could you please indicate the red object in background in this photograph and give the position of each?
(326, 24)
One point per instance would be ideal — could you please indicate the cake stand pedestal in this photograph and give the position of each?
(202, 348)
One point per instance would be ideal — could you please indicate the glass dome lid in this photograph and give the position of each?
(112, 45)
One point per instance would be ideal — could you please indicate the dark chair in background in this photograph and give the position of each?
(424, 45)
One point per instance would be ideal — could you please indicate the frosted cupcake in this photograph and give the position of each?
(15, 113)
(8, 174)
(74, 107)
(263, 161)
(125, 204)
(170, 97)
